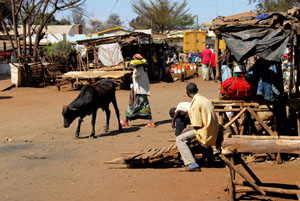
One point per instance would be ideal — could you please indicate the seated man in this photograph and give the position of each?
(204, 127)
(180, 117)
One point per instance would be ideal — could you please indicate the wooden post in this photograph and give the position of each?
(218, 66)
(87, 58)
(297, 64)
(298, 122)
(230, 185)
(291, 61)
(139, 42)
(151, 55)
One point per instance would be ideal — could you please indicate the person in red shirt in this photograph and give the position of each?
(213, 65)
(206, 58)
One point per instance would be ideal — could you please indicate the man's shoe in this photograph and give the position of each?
(189, 169)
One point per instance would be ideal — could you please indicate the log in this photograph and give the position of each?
(241, 145)
(254, 137)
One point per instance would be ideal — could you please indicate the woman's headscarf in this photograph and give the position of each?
(138, 57)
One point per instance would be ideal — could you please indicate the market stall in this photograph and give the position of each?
(254, 106)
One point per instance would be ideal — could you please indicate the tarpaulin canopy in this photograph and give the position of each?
(110, 54)
(268, 44)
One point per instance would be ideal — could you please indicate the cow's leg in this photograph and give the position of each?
(107, 111)
(78, 127)
(94, 114)
(114, 102)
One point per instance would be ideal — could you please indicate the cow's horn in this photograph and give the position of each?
(73, 109)
(65, 107)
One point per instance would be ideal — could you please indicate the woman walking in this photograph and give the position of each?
(139, 107)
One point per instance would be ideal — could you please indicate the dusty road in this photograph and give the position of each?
(41, 161)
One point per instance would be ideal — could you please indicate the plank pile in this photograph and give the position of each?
(163, 156)
(168, 156)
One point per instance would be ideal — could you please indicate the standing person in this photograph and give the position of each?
(204, 127)
(205, 55)
(139, 107)
(213, 65)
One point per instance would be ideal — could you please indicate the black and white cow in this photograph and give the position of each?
(89, 100)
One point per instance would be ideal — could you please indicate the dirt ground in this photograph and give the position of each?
(41, 161)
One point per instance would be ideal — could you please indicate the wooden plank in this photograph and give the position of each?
(140, 157)
(235, 118)
(257, 188)
(146, 155)
(169, 148)
(136, 155)
(155, 152)
(160, 152)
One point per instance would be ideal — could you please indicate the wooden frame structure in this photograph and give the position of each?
(231, 155)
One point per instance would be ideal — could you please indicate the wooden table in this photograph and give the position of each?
(77, 78)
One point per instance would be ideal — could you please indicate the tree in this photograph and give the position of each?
(78, 16)
(139, 23)
(163, 15)
(28, 12)
(6, 20)
(274, 5)
(95, 26)
(113, 21)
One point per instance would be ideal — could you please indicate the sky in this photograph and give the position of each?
(206, 10)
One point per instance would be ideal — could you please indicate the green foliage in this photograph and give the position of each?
(162, 15)
(274, 5)
(139, 23)
(5, 14)
(58, 52)
(113, 21)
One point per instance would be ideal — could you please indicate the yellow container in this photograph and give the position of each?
(194, 41)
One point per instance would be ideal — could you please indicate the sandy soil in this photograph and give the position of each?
(41, 160)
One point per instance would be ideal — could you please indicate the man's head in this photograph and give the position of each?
(191, 89)
(207, 46)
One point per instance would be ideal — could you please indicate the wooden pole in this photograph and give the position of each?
(291, 61)
(218, 66)
(297, 64)
(87, 58)
(298, 122)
